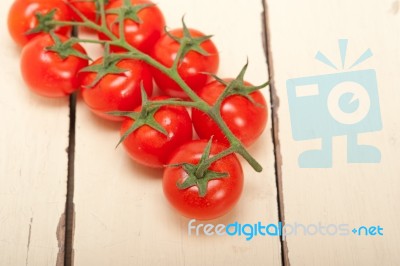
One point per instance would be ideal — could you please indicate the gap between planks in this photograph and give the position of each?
(275, 130)
(69, 206)
(70, 210)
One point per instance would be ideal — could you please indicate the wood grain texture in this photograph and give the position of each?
(33, 165)
(122, 217)
(354, 194)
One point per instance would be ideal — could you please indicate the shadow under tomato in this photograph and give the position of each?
(101, 123)
(140, 171)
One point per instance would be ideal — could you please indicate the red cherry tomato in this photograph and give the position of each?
(192, 67)
(222, 193)
(45, 72)
(152, 148)
(141, 35)
(21, 18)
(246, 120)
(116, 92)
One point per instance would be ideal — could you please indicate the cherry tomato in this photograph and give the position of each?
(191, 68)
(222, 193)
(21, 18)
(116, 92)
(45, 72)
(246, 119)
(141, 34)
(152, 148)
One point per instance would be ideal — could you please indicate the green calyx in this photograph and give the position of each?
(44, 22)
(108, 66)
(199, 174)
(65, 49)
(144, 117)
(188, 43)
(238, 87)
(200, 182)
(128, 11)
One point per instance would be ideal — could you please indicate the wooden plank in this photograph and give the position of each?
(33, 166)
(122, 217)
(356, 194)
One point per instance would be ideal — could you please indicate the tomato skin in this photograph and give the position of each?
(21, 18)
(87, 8)
(246, 120)
(117, 92)
(45, 72)
(140, 35)
(222, 194)
(150, 147)
(192, 67)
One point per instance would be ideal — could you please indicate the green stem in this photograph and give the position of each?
(224, 95)
(103, 22)
(172, 72)
(220, 155)
(89, 41)
(203, 167)
(234, 141)
(253, 162)
(121, 29)
(87, 24)
(202, 105)
(192, 95)
(179, 103)
(67, 23)
(178, 57)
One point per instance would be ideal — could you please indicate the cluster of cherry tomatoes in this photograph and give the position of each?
(118, 88)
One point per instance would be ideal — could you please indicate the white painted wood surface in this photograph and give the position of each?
(33, 165)
(122, 217)
(354, 194)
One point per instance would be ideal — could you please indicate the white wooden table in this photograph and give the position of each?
(116, 212)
